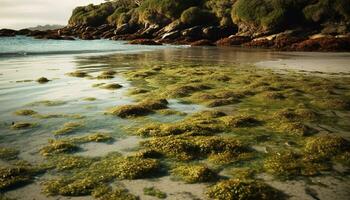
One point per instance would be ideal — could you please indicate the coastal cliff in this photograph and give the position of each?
(310, 25)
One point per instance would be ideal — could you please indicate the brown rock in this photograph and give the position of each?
(323, 44)
(202, 43)
(233, 40)
(144, 42)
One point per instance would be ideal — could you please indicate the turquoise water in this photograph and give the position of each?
(24, 46)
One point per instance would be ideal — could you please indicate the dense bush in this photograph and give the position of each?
(195, 16)
(268, 13)
(154, 10)
(92, 15)
(326, 10)
(222, 10)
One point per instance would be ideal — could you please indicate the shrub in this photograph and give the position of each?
(195, 16)
(326, 10)
(268, 14)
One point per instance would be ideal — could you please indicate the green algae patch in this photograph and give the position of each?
(90, 99)
(129, 111)
(68, 127)
(148, 153)
(23, 125)
(154, 104)
(116, 194)
(241, 121)
(288, 165)
(111, 167)
(236, 189)
(186, 90)
(154, 192)
(135, 91)
(26, 112)
(42, 80)
(68, 162)
(94, 137)
(15, 176)
(326, 146)
(194, 173)
(8, 153)
(112, 86)
(79, 74)
(47, 103)
(332, 103)
(58, 147)
(202, 123)
(194, 147)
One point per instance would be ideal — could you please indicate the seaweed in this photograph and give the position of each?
(129, 111)
(151, 191)
(58, 147)
(23, 125)
(236, 189)
(68, 162)
(194, 173)
(68, 127)
(326, 146)
(8, 153)
(79, 74)
(240, 121)
(112, 86)
(42, 80)
(154, 104)
(26, 112)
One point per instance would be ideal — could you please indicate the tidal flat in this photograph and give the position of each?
(182, 123)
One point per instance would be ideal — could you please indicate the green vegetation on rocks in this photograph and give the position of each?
(236, 189)
(194, 173)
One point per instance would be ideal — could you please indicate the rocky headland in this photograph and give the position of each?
(301, 25)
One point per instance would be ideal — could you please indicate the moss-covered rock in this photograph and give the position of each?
(129, 111)
(42, 80)
(194, 173)
(326, 146)
(235, 189)
(112, 86)
(79, 74)
(23, 125)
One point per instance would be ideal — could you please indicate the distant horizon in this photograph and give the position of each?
(20, 14)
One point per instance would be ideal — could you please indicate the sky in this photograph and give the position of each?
(17, 14)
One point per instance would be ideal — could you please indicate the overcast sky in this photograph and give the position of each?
(17, 14)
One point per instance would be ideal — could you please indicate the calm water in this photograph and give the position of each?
(23, 60)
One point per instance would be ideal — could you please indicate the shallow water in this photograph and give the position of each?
(18, 88)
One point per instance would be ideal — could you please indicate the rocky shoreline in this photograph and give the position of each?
(291, 40)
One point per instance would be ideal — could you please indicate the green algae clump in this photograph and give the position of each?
(42, 80)
(58, 147)
(194, 173)
(116, 194)
(8, 153)
(326, 146)
(129, 111)
(15, 176)
(79, 74)
(112, 86)
(236, 189)
(154, 104)
(22, 125)
(67, 162)
(25, 112)
(240, 121)
(68, 127)
(151, 191)
(90, 99)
